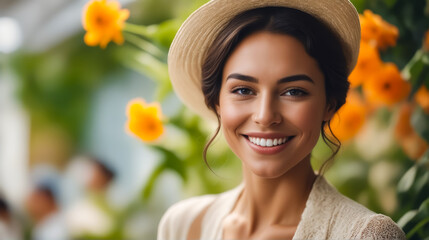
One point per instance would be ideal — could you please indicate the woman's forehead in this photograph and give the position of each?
(265, 54)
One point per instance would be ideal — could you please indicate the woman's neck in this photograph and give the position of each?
(280, 201)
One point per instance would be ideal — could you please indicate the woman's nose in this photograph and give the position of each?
(266, 112)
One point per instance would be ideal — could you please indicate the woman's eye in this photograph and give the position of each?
(295, 92)
(243, 91)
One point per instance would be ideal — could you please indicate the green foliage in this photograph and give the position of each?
(417, 71)
(413, 191)
(55, 86)
(420, 122)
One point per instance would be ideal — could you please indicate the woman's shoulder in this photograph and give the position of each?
(353, 220)
(178, 218)
(378, 226)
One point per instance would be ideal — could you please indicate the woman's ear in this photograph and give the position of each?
(329, 112)
(217, 110)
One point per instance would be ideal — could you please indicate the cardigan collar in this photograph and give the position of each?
(318, 204)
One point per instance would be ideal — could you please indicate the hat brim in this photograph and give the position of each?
(189, 47)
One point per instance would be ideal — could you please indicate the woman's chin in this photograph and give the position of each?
(269, 172)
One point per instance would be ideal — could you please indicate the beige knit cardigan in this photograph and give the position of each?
(327, 215)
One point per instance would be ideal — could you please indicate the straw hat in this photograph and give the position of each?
(189, 47)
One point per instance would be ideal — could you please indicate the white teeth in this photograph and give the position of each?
(263, 142)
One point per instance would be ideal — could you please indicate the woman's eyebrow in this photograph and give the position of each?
(242, 77)
(295, 78)
(292, 78)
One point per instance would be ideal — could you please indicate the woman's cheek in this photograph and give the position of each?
(306, 116)
(232, 114)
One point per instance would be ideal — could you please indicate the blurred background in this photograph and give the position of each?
(72, 166)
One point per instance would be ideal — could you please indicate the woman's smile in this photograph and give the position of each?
(267, 143)
(268, 146)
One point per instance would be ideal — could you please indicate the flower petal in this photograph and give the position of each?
(91, 39)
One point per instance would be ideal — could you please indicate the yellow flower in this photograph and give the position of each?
(376, 31)
(386, 86)
(103, 22)
(144, 120)
(412, 144)
(422, 98)
(369, 61)
(350, 118)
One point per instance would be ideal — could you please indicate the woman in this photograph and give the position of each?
(272, 73)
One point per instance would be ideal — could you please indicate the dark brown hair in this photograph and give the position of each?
(319, 42)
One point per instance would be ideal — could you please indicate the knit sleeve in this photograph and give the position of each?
(380, 227)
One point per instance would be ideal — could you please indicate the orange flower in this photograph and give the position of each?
(376, 31)
(412, 144)
(422, 98)
(103, 22)
(386, 86)
(368, 62)
(349, 119)
(144, 120)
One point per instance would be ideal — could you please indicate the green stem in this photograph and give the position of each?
(417, 227)
(406, 71)
(137, 29)
(151, 181)
(147, 46)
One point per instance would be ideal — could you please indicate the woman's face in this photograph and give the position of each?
(272, 103)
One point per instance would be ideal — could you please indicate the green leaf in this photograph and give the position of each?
(147, 46)
(144, 63)
(390, 3)
(407, 218)
(415, 219)
(420, 123)
(421, 182)
(359, 5)
(424, 207)
(424, 160)
(417, 227)
(147, 190)
(173, 162)
(164, 32)
(407, 180)
(163, 90)
(170, 161)
(427, 8)
(417, 71)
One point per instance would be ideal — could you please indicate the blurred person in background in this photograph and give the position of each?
(9, 228)
(43, 208)
(101, 177)
(92, 216)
